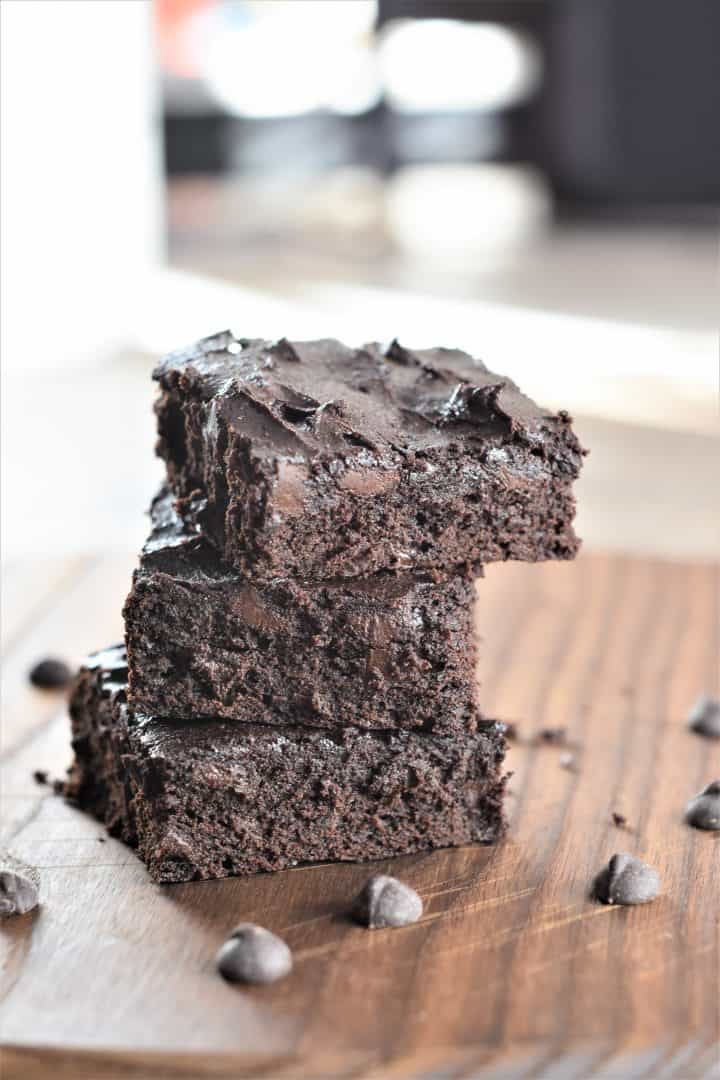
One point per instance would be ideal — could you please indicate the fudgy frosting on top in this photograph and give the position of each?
(320, 397)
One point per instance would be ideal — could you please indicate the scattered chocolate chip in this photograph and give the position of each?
(620, 820)
(59, 787)
(19, 886)
(386, 902)
(567, 761)
(557, 736)
(40, 776)
(703, 812)
(704, 717)
(253, 954)
(50, 674)
(627, 880)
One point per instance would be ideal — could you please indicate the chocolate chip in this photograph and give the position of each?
(253, 954)
(627, 880)
(40, 776)
(703, 812)
(704, 717)
(19, 886)
(620, 820)
(385, 902)
(50, 674)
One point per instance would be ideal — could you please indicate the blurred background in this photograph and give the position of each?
(533, 180)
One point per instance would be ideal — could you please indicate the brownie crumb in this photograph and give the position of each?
(704, 717)
(254, 955)
(619, 820)
(42, 776)
(387, 902)
(555, 736)
(50, 674)
(626, 880)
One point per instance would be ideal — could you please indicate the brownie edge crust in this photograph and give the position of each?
(209, 799)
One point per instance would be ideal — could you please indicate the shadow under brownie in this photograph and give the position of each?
(206, 799)
(384, 652)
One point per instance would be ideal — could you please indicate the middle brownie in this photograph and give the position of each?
(387, 651)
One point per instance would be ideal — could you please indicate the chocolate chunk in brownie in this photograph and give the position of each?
(386, 651)
(206, 799)
(311, 459)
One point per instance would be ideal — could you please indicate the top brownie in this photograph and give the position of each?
(318, 460)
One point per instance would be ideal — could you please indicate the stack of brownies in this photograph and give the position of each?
(298, 682)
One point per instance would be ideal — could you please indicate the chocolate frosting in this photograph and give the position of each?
(321, 398)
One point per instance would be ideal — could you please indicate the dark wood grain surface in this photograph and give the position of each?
(512, 972)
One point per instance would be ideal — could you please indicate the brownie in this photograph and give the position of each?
(387, 651)
(314, 460)
(205, 799)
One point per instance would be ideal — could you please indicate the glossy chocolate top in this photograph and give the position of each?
(321, 398)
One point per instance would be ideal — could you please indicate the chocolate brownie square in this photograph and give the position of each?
(386, 651)
(206, 799)
(314, 460)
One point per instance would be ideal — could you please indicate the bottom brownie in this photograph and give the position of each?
(208, 798)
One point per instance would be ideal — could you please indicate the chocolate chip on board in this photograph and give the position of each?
(703, 812)
(50, 674)
(387, 902)
(19, 886)
(704, 717)
(254, 955)
(626, 880)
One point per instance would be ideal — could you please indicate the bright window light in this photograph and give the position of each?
(460, 211)
(277, 58)
(445, 65)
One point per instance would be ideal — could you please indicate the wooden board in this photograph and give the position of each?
(512, 972)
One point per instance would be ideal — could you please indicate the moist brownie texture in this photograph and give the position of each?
(207, 799)
(386, 651)
(313, 460)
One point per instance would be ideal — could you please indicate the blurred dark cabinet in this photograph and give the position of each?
(627, 111)
(630, 110)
